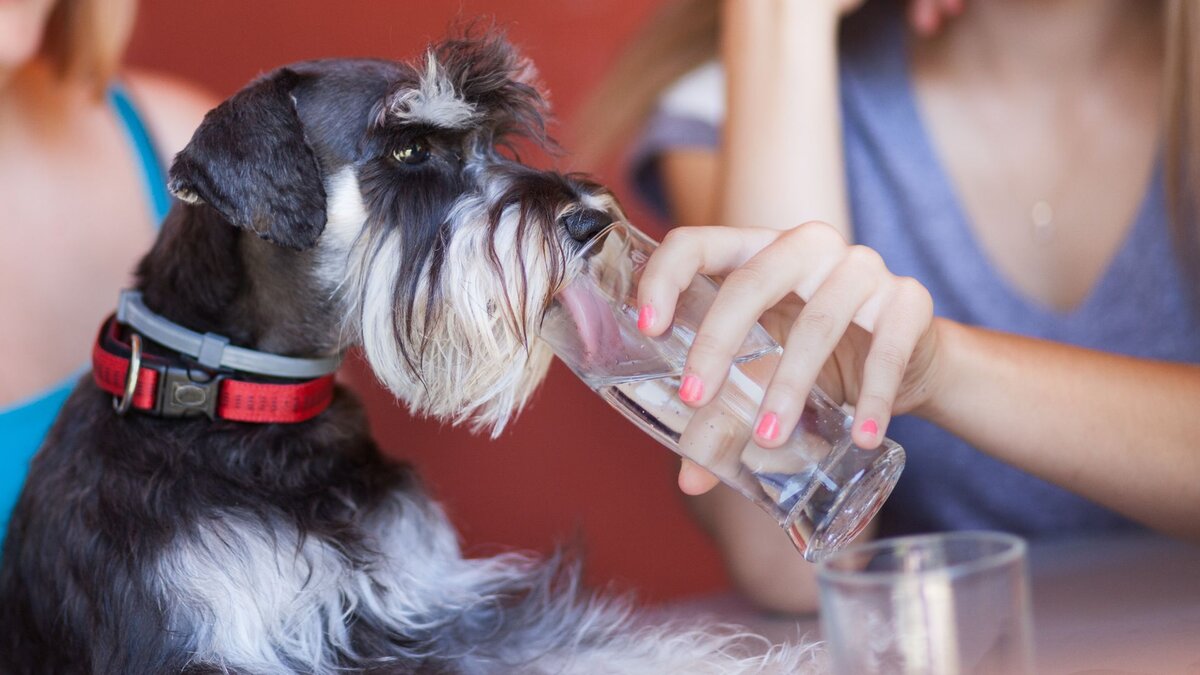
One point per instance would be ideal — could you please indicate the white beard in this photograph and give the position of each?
(474, 357)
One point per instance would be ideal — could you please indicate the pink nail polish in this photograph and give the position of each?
(768, 427)
(871, 428)
(645, 318)
(691, 389)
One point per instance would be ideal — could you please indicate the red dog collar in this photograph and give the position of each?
(169, 386)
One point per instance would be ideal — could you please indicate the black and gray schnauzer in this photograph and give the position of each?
(327, 204)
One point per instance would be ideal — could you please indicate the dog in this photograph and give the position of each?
(210, 502)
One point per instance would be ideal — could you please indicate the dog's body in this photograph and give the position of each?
(329, 203)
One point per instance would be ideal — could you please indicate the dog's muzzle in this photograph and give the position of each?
(585, 224)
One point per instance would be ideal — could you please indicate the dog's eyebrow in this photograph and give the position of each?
(382, 140)
(393, 129)
(434, 100)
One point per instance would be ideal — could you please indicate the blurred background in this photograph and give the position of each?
(570, 470)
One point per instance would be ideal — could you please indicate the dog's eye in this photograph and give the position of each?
(411, 154)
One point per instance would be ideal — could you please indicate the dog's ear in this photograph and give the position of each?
(250, 161)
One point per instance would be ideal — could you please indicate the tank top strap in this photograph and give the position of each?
(154, 174)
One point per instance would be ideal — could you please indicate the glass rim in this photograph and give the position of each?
(1012, 548)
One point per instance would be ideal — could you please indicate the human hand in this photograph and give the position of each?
(784, 12)
(928, 16)
(846, 323)
(925, 16)
(844, 7)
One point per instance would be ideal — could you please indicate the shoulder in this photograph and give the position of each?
(698, 95)
(688, 114)
(171, 107)
(673, 164)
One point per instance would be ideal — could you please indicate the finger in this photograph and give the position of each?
(684, 253)
(952, 7)
(813, 337)
(924, 16)
(899, 329)
(798, 261)
(695, 479)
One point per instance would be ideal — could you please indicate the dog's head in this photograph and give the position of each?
(382, 190)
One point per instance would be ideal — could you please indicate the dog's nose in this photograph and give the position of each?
(584, 224)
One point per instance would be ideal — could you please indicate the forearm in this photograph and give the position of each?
(1117, 430)
(782, 160)
(759, 557)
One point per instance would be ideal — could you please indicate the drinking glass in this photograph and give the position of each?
(820, 487)
(942, 604)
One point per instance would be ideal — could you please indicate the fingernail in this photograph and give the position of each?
(645, 318)
(768, 427)
(691, 389)
(871, 428)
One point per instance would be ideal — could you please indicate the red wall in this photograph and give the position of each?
(569, 470)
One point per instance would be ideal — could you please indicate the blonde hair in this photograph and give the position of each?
(85, 39)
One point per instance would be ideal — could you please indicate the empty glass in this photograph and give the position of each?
(819, 486)
(942, 604)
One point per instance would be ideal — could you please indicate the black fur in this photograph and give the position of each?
(250, 161)
(107, 494)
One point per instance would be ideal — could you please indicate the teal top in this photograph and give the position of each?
(23, 425)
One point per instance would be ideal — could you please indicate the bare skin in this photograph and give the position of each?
(77, 214)
(983, 71)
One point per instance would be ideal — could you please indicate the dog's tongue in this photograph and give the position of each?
(599, 333)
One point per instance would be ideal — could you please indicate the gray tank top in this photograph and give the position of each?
(903, 205)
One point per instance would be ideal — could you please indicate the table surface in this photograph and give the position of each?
(1123, 604)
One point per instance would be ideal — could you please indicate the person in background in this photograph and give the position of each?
(83, 150)
(1024, 167)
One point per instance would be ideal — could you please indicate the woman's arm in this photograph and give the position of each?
(1114, 429)
(781, 157)
(782, 104)
(781, 164)
(759, 558)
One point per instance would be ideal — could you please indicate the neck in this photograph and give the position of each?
(208, 276)
(11, 75)
(193, 273)
(1040, 41)
(36, 102)
(15, 85)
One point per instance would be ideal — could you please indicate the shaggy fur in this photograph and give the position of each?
(328, 204)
